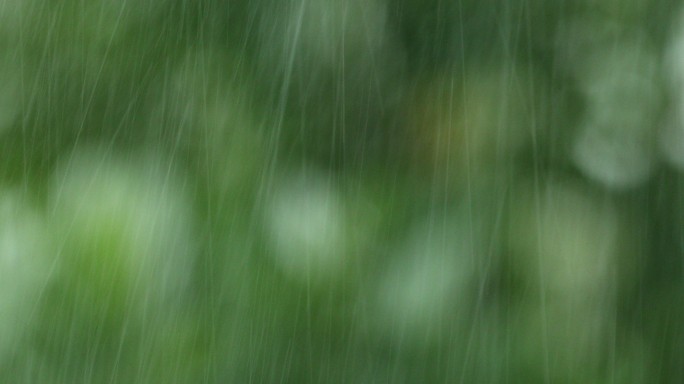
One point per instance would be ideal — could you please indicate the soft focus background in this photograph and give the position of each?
(341, 191)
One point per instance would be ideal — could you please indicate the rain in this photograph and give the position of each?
(341, 191)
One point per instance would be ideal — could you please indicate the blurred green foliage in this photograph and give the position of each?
(341, 191)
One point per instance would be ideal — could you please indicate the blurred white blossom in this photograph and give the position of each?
(307, 226)
(127, 217)
(26, 265)
(615, 141)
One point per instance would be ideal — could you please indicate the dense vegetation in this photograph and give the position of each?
(341, 191)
